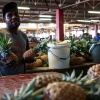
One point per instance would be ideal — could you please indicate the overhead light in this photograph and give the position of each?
(94, 12)
(84, 20)
(44, 19)
(24, 8)
(95, 20)
(45, 16)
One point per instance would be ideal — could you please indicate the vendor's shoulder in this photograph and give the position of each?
(23, 34)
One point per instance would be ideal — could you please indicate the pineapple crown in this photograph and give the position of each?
(5, 45)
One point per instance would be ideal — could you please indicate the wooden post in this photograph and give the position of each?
(96, 29)
(59, 25)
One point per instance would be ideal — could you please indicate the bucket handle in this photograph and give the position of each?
(58, 57)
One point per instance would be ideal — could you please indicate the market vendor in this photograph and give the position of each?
(19, 41)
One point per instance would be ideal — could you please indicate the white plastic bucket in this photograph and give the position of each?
(59, 56)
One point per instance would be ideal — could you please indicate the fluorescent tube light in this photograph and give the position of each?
(45, 16)
(43, 19)
(83, 20)
(94, 12)
(95, 20)
(24, 8)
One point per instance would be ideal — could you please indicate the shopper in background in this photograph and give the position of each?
(19, 40)
(97, 37)
(86, 36)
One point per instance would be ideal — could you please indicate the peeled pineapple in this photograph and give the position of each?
(64, 91)
(29, 55)
(5, 51)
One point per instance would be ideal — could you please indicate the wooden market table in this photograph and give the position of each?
(84, 67)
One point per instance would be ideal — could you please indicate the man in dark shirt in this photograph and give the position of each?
(19, 40)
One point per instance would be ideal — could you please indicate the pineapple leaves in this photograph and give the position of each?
(21, 89)
(79, 77)
(16, 93)
(42, 47)
(7, 97)
(38, 91)
(4, 44)
(30, 86)
(73, 74)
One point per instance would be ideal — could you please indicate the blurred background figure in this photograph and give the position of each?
(85, 36)
(97, 37)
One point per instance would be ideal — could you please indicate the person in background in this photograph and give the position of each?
(85, 36)
(97, 37)
(19, 40)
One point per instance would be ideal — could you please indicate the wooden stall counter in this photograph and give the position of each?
(83, 66)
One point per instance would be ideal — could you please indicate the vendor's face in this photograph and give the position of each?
(12, 19)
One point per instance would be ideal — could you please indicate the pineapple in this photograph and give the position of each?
(44, 57)
(77, 60)
(37, 63)
(64, 91)
(29, 55)
(40, 53)
(57, 87)
(94, 71)
(43, 80)
(5, 51)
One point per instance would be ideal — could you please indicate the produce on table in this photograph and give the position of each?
(35, 54)
(5, 50)
(44, 57)
(42, 46)
(79, 51)
(80, 48)
(64, 91)
(40, 53)
(37, 63)
(29, 56)
(77, 60)
(65, 87)
(32, 52)
(94, 71)
(40, 61)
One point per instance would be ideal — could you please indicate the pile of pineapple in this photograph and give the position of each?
(58, 87)
(38, 55)
(40, 60)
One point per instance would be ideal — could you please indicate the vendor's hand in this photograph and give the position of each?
(7, 62)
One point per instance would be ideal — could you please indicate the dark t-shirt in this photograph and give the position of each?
(19, 46)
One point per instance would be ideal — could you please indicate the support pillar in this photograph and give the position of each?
(96, 29)
(59, 25)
